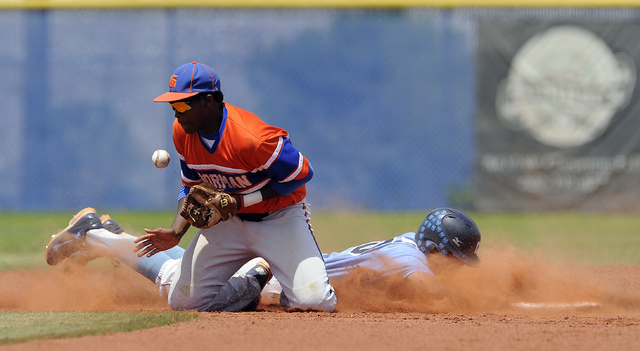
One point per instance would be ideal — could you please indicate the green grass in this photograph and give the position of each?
(584, 238)
(572, 238)
(24, 326)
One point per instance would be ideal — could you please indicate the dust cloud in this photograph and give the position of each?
(505, 277)
(91, 289)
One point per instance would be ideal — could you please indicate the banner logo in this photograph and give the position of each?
(564, 87)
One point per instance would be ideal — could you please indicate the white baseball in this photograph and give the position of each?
(160, 158)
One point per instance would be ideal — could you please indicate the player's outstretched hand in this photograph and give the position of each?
(156, 240)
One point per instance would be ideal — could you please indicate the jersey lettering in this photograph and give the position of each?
(374, 245)
(377, 245)
(221, 182)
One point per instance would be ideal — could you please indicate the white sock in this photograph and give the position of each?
(121, 246)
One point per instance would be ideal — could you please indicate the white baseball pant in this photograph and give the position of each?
(284, 239)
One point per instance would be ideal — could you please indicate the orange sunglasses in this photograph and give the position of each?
(184, 106)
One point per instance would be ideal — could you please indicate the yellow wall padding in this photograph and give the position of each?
(51, 4)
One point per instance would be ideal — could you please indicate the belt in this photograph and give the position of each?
(253, 217)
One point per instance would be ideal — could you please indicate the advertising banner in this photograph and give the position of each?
(558, 119)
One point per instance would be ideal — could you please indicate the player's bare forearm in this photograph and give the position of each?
(160, 238)
(180, 224)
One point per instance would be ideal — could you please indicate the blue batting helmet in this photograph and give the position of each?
(449, 232)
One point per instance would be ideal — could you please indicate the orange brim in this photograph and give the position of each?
(173, 96)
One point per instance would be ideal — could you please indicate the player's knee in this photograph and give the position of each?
(324, 299)
(181, 304)
(184, 300)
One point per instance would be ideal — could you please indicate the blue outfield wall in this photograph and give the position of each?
(382, 102)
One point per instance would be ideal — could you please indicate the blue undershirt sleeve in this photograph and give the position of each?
(288, 187)
(287, 163)
(184, 191)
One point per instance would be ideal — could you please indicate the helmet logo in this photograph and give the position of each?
(457, 241)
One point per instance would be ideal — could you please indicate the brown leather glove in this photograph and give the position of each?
(205, 206)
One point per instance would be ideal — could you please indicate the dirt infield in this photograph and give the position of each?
(510, 301)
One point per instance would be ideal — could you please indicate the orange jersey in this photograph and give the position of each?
(244, 156)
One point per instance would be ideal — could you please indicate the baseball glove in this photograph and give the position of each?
(205, 206)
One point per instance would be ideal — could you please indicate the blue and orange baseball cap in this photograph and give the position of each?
(188, 80)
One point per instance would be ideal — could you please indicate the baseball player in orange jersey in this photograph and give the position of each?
(236, 152)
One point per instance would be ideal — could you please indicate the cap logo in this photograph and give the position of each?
(172, 81)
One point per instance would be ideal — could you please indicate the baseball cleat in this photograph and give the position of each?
(72, 239)
(93, 250)
(111, 225)
(262, 272)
